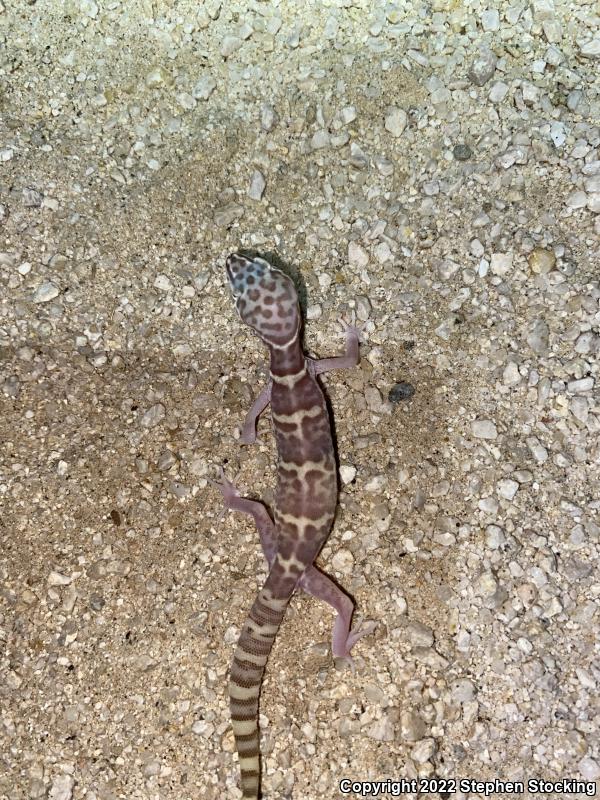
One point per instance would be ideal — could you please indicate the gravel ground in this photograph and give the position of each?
(434, 167)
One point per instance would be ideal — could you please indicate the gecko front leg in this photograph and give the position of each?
(317, 367)
(350, 358)
(248, 434)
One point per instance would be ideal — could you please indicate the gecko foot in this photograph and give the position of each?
(350, 329)
(228, 490)
(343, 656)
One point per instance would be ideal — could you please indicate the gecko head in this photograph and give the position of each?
(265, 298)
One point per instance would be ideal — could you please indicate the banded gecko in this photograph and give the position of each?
(305, 498)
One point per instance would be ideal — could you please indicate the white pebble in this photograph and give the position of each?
(581, 385)
(267, 117)
(204, 87)
(592, 184)
(484, 429)
(543, 9)
(163, 283)
(477, 249)
(396, 120)
(320, 140)
(382, 252)
(357, 255)
(343, 561)
(589, 768)
(423, 750)
(501, 263)
(229, 45)
(57, 579)
(511, 375)
(577, 199)
(558, 133)
(257, 186)
(62, 788)
(538, 451)
(45, 292)
(507, 488)
(348, 114)
(330, 31)
(186, 100)
(498, 92)
(591, 48)
(203, 728)
(382, 730)
(347, 473)
(490, 20)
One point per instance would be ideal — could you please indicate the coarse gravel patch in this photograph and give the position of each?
(433, 168)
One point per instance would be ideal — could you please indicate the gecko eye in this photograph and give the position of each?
(265, 297)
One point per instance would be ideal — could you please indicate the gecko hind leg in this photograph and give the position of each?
(321, 586)
(264, 524)
(313, 581)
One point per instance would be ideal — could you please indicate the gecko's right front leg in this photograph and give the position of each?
(248, 434)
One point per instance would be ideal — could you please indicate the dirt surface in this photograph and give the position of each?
(357, 144)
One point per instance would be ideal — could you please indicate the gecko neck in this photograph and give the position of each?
(287, 360)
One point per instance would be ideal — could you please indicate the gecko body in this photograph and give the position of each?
(305, 497)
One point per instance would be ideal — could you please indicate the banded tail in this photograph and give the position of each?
(251, 654)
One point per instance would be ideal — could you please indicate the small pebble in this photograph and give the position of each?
(538, 337)
(507, 488)
(490, 20)
(357, 255)
(401, 391)
(498, 92)
(343, 561)
(347, 473)
(153, 416)
(484, 429)
(45, 292)
(462, 152)
(483, 68)
(61, 788)
(268, 117)
(204, 87)
(541, 261)
(396, 120)
(229, 45)
(257, 186)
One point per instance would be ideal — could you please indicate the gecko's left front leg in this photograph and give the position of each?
(350, 358)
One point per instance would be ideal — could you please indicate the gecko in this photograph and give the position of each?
(305, 497)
